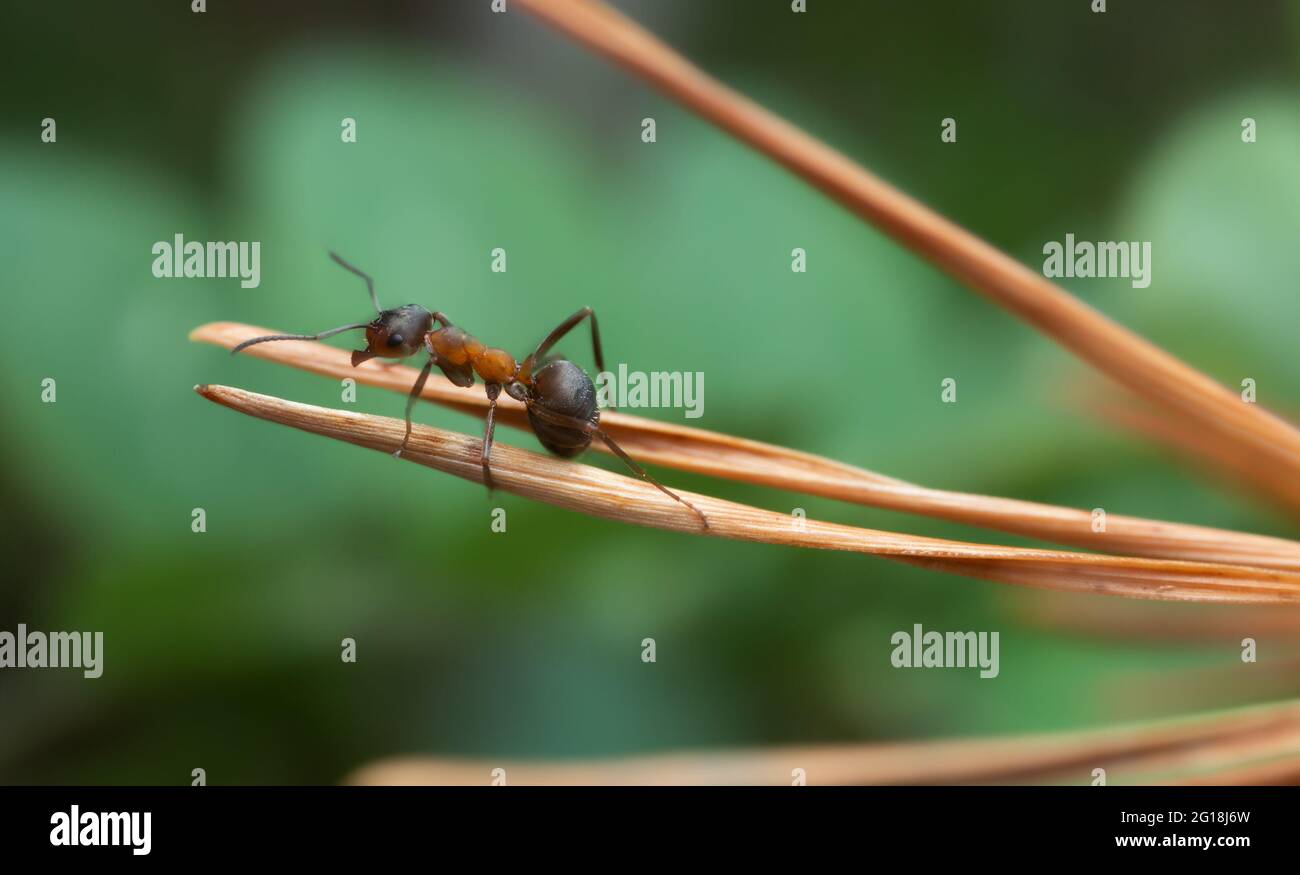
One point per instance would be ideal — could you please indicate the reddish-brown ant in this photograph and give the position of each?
(559, 395)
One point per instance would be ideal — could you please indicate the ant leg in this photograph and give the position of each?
(560, 420)
(439, 316)
(370, 284)
(644, 475)
(324, 334)
(562, 329)
(493, 390)
(410, 402)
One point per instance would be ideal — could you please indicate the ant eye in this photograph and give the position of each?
(394, 340)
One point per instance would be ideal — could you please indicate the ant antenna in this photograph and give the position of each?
(321, 336)
(370, 284)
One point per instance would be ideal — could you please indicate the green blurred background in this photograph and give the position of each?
(478, 130)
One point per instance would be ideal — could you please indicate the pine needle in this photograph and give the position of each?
(1257, 745)
(719, 455)
(1127, 358)
(1235, 462)
(613, 496)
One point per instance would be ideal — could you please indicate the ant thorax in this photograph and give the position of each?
(462, 350)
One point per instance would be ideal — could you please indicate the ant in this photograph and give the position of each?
(558, 394)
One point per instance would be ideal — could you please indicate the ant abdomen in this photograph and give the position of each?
(564, 388)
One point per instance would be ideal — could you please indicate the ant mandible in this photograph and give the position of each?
(558, 394)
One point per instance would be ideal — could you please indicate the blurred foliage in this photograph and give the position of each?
(222, 648)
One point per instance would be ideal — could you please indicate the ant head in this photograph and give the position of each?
(398, 333)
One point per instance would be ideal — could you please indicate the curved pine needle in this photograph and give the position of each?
(1123, 355)
(1176, 625)
(613, 496)
(1257, 745)
(719, 455)
(1236, 463)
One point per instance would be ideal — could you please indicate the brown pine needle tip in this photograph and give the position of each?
(720, 455)
(1257, 745)
(1126, 357)
(614, 496)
